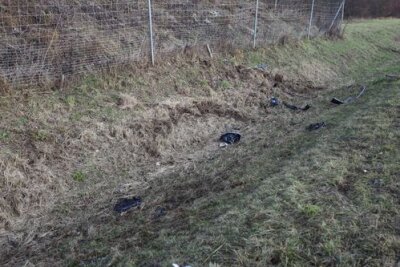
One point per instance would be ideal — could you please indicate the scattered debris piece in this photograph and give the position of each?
(274, 102)
(222, 145)
(230, 138)
(177, 265)
(262, 66)
(349, 99)
(125, 204)
(316, 126)
(209, 51)
(160, 212)
(292, 107)
(362, 91)
(337, 101)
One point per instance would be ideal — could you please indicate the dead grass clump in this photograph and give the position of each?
(210, 107)
(285, 39)
(126, 101)
(25, 187)
(335, 33)
(279, 78)
(169, 127)
(4, 87)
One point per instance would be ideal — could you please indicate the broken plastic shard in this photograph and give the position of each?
(230, 138)
(349, 99)
(316, 126)
(223, 145)
(274, 102)
(337, 101)
(177, 265)
(125, 204)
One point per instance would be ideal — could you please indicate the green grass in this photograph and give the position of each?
(79, 176)
(40, 135)
(4, 135)
(283, 196)
(366, 51)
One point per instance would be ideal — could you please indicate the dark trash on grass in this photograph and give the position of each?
(337, 101)
(274, 102)
(349, 99)
(178, 265)
(295, 108)
(125, 204)
(316, 126)
(230, 138)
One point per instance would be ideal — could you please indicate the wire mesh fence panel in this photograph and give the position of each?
(43, 41)
(326, 13)
(194, 23)
(281, 19)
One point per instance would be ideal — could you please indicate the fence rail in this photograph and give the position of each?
(41, 41)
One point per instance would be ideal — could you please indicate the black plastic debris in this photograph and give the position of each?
(337, 101)
(178, 265)
(349, 99)
(316, 126)
(125, 204)
(160, 212)
(274, 102)
(230, 138)
(295, 108)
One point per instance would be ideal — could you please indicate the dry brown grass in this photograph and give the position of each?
(66, 156)
(104, 127)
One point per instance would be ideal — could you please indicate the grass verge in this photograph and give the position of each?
(283, 196)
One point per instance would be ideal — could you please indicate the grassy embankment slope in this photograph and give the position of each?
(283, 196)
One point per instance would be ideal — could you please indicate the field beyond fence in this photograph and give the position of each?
(43, 42)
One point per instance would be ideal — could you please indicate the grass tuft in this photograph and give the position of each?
(79, 176)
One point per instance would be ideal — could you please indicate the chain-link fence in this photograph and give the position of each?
(43, 41)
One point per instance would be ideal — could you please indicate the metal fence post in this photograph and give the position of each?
(276, 4)
(337, 14)
(255, 25)
(344, 4)
(311, 19)
(151, 32)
